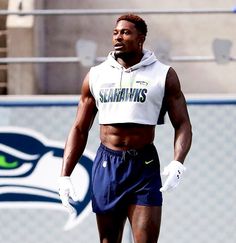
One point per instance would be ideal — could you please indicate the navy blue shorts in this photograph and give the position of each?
(122, 178)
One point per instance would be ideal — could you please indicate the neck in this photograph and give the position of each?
(128, 59)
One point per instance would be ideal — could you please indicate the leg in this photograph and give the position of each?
(145, 223)
(110, 227)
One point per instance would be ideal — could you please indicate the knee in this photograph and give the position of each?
(145, 234)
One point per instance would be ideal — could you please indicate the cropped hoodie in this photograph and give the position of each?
(132, 95)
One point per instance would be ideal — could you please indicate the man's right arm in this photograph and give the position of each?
(78, 134)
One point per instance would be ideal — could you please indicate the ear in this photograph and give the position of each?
(142, 38)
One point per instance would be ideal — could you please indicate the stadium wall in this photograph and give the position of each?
(176, 34)
(201, 209)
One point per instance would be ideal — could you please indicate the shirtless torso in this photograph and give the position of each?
(126, 136)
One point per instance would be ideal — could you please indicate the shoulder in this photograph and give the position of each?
(159, 68)
(161, 64)
(172, 81)
(172, 73)
(97, 70)
(99, 66)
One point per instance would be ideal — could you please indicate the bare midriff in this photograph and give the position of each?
(126, 136)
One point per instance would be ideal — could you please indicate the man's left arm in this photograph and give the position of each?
(178, 113)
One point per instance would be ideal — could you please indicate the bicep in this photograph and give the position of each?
(175, 100)
(87, 110)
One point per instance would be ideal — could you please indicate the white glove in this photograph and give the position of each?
(66, 191)
(174, 170)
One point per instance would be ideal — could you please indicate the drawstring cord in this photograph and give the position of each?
(121, 75)
(130, 152)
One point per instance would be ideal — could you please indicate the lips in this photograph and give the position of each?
(118, 46)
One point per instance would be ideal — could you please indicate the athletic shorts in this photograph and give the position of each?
(122, 178)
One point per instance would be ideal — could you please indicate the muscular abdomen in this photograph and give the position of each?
(126, 136)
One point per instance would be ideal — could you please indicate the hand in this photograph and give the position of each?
(66, 191)
(174, 171)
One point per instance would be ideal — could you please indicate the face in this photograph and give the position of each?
(126, 38)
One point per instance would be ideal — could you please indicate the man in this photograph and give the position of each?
(131, 91)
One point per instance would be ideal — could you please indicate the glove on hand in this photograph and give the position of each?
(66, 191)
(174, 171)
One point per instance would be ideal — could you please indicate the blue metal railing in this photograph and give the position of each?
(74, 100)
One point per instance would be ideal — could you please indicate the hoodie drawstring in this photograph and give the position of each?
(121, 76)
(122, 73)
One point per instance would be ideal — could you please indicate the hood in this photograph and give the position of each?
(147, 59)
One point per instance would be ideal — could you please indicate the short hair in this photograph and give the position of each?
(139, 23)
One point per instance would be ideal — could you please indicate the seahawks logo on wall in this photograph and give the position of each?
(30, 165)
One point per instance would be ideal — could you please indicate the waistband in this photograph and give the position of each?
(132, 152)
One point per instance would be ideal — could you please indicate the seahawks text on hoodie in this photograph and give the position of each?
(132, 95)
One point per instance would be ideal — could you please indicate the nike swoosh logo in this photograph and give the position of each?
(148, 162)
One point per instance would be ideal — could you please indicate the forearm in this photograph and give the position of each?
(74, 148)
(182, 142)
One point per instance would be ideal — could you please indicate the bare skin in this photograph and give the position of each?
(145, 221)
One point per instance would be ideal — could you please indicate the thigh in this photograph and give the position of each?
(145, 223)
(110, 227)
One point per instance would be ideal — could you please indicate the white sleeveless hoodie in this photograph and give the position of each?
(132, 95)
